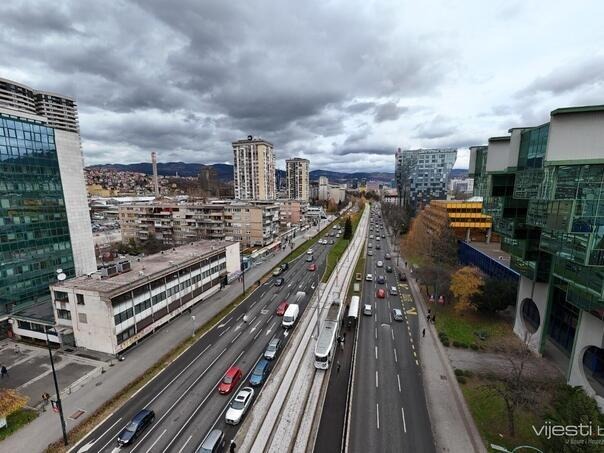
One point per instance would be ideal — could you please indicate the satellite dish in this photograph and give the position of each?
(61, 277)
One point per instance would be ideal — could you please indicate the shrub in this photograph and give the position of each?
(474, 347)
(463, 345)
(461, 379)
(468, 373)
(456, 344)
(458, 372)
(445, 342)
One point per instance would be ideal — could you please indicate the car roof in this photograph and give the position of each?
(232, 371)
(243, 394)
(263, 363)
(274, 340)
(141, 414)
(397, 311)
(211, 438)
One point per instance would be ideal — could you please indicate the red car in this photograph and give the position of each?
(312, 267)
(230, 380)
(380, 293)
(282, 307)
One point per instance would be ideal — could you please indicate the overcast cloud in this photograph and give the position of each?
(341, 82)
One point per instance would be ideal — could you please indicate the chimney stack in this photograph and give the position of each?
(155, 181)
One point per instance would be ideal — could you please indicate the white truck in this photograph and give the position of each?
(290, 316)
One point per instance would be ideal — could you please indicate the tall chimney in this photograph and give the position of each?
(155, 181)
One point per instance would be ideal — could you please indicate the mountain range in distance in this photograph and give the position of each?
(225, 171)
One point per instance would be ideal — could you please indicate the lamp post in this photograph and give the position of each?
(193, 325)
(54, 377)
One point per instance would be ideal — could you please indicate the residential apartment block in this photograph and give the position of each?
(544, 188)
(422, 174)
(120, 304)
(254, 169)
(44, 221)
(298, 184)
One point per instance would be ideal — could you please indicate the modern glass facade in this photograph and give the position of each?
(34, 234)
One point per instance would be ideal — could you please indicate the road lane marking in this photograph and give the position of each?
(404, 422)
(273, 296)
(156, 440)
(269, 330)
(224, 331)
(183, 394)
(395, 356)
(377, 385)
(376, 333)
(417, 363)
(183, 447)
(236, 336)
(220, 326)
(392, 333)
(376, 353)
(256, 336)
(377, 405)
(398, 378)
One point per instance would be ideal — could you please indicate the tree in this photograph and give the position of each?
(513, 389)
(497, 294)
(466, 283)
(573, 407)
(347, 229)
(10, 401)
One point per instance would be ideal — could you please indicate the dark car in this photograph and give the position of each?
(402, 277)
(138, 424)
(381, 279)
(260, 373)
(387, 256)
(389, 269)
(284, 266)
(279, 281)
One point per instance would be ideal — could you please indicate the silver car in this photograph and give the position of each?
(272, 348)
(397, 314)
(367, 310)
(239, 406)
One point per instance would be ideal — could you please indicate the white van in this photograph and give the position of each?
(290, 316)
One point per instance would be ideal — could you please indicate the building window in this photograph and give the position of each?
(80, 298)
(83, 318)
(61, 296)
(63, 314)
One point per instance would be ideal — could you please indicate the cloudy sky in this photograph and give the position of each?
(341, 82)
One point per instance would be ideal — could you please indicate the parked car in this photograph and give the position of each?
(402, 277)
(273, 347)
(332, 242)
(389, 269)
(369, 277)
(213, 443)
(281, 308)
(378, 247)
(380, 293)
(397, 314)
(312, 267)
(309, 252)
(230, 380)
(370, 253)
(387, 256)
(367, 310)
(393, 291)
(239, 406)
(358, 277)
(136, 426)
(260, 373)
(277, 272)
(279, 281)
(284, 267)
(369, 245)
(381, 279)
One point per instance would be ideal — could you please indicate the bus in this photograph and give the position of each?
(325, 347)
(353, 311)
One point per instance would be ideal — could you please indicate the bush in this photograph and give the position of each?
(445, 341)
(463, 345)
(456, 344)
(458, 372)
(461, 379)
(468, 373)
(474, 347)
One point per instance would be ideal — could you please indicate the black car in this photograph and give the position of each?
(138, 424)
(381, 280)
(389, 269)
(279, 281)
(402, 277)
(284, 266)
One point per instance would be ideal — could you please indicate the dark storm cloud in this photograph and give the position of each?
(388, 111)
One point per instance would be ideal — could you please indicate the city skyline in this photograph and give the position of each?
(395, 82)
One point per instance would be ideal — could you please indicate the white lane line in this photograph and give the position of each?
(269, 319)
(156, 440)
(395, 356)
(183, 394)
(264, 308)
(392, 332)
(390, 314)
(273, 296)
(377, 384)
(376, 333)
(224, 331)
(377, 405)
(101, 436)
(416, 362)
(236, 336)
(404, 422)
(376, 353)
(185, 444)
(398, 378)
(256, 336)
(270, 329)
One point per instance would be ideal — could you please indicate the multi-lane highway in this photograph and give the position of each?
(388, 405)
(184, 396)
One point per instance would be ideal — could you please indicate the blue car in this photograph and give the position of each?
(260, 373)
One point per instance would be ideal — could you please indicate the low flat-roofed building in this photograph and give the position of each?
(112, 309)
(465, 218)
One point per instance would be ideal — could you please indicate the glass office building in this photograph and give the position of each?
(34, 233)
(544, 187)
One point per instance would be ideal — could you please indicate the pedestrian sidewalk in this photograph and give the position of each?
(46, 429)
(452, 423)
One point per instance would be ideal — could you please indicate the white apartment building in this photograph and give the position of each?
(120, 304)
(254, 169)
(298, 184)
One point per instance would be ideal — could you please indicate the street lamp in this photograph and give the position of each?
(54, 377)
(193, 324)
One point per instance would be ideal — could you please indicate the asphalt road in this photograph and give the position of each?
(388, 412)
(184, 396)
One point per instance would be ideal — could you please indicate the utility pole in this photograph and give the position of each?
(54, 377)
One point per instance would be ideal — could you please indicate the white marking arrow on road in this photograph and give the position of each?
(270, 329)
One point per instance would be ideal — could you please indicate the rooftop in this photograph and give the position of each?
(251, 139)
(151, 267)
(579, 109)
(41, 313)
(500, 139)
(492, 250)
